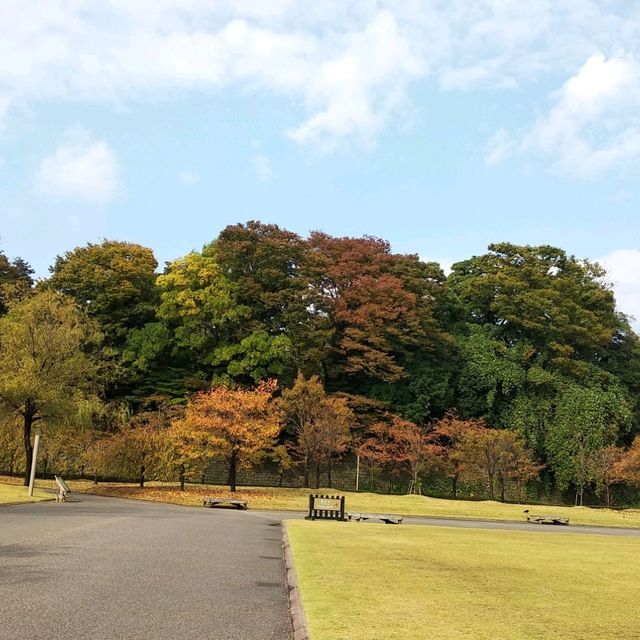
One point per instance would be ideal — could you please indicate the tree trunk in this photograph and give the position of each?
(141, 481)
(329, 474)
(232, 471)
(415, 487)
(501, 482)
(306, 471)
(181, 476)
(454, 486)
(491, 491)
(607, 495)
(318, 475)
(29, 417)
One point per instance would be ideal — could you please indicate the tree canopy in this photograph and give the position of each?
(374, 351)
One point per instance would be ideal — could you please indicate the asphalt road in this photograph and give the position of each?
(111, 569)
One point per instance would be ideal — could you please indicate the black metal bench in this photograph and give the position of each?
(363, 517)
(547, 519)
(216, 502)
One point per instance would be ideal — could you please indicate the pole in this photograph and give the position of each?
(36, 444)
(357, 472)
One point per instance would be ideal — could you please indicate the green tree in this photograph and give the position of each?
(554, 302)
(587, 420)
(46, 370)
(113, 281)
(268, 269)
(15, 280)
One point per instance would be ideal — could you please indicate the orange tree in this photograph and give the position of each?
(415, 449)
(448, 432)
(237, 425)
(496, 453)
(321, 423)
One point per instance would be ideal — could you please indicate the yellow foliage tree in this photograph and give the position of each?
(237, 425)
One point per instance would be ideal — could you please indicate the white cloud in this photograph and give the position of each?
(592, 125)
(263, 168)
(188, 178)
(80, 169)
(347, 64)
(623, 270)
(357, 89)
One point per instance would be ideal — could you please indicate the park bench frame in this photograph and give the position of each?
(63, 489)
(538, 518)
(363, 517)
(216, 502)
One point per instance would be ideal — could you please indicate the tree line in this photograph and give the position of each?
(515, 365)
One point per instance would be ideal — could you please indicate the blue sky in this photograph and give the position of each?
(439, 125)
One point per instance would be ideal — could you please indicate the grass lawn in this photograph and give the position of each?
(280, 499)
(14, 493)
(370, 582)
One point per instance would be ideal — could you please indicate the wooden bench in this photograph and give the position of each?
(363, 517)
(547, 519)
(63, 489)
(216, 502)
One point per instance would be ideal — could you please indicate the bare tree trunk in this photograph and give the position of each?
(181, 476)
(415, 485)
(317, 475)
(306, 470)
(454, 485)
(329, 474)
(491, 491)
(232, 471)
(501, 483)
(141, 480)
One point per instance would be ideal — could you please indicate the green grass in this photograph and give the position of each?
(10, 493)
(281, 499)
(370, 582)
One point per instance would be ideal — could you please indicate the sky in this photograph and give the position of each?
(439, 125)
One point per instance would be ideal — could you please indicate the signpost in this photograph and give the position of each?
(326, 508)
(32, 477)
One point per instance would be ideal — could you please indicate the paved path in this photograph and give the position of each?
(111, 569)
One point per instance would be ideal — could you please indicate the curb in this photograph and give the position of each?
(15, 504)
(298, 619)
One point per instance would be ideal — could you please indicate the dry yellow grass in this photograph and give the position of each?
(11, 493)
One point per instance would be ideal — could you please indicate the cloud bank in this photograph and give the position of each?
(348, 64)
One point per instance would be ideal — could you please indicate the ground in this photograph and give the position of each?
(104, 568)
(281, 499)
(369, 582)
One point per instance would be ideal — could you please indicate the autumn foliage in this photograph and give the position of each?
(235, 424)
